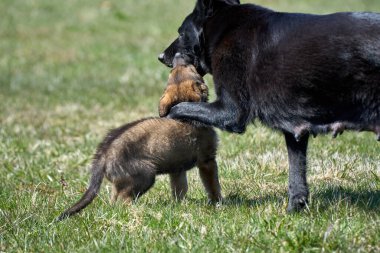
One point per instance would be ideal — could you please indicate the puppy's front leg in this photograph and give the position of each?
(222, 114)
(208, 170)
(298, 189)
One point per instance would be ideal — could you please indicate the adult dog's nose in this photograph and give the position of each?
(161, 57)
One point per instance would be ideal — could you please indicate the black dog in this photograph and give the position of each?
(298, 73)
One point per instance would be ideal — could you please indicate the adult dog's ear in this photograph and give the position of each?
(206, 8)
(232, 2)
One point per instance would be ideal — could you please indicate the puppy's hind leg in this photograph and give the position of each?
(136, 185)
(208, 171)
(123, 189)
(114, 194)
(178, 183)
(142, 182)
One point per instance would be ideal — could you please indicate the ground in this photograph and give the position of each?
(70, 70)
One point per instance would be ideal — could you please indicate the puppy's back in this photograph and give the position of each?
(161, 142)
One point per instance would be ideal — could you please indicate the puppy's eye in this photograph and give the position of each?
(181, 35)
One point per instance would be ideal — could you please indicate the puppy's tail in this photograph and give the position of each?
(93, 189)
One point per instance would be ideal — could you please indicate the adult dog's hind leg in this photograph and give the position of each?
(178, 183)
(298, 189)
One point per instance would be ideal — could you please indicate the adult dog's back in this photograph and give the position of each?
(312, 71)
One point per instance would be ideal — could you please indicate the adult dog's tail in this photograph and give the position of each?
(93, 189)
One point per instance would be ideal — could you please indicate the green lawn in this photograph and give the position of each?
(70, 70)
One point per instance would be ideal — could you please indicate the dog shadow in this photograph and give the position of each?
(235, 199)
(365, 199)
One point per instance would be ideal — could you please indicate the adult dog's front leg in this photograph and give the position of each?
(226, 116)
(298, 189)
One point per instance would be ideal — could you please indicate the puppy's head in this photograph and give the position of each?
(184, 85)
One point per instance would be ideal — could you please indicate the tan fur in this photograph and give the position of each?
(184, 85)
(160, 146)
(173, 147)
(131, 156)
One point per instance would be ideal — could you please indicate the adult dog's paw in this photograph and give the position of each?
(178, 111)
(297, 203)
(238, 129)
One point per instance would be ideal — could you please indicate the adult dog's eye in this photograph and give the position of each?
(181, 35)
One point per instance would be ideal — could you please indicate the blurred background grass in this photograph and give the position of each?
(70, 70)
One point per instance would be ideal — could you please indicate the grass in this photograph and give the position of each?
(70, 70)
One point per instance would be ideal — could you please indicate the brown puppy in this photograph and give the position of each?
(184, 85)
(132, 155)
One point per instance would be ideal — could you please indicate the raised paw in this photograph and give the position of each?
(177, 111)
(234, 127)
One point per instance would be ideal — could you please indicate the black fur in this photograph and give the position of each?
(301, 74)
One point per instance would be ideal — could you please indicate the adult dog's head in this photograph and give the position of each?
(190, 40)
